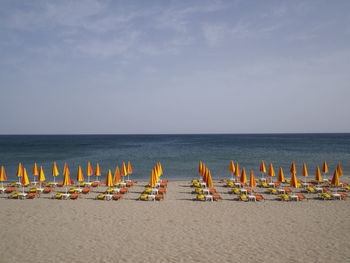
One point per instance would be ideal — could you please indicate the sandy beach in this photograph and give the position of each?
(176, 229)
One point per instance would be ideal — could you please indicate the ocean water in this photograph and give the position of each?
(178, 154)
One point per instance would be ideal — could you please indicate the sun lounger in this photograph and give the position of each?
(10, 189)
(301, 197)
(243, 198)
(94, 184)
(272, 191)
(259, 198)
(284, 197)
(143, 197)
(101, 197)
(129, 184)
(230, 184)
(159, 197)
(200, 197)
(216, 197)
(117, 196)
(164, 184)
(33, 195)
(310, 189)
(264, 184)
(14, 196)
(162, 191)
(325, 196)
(124, 190)
(236, 191)
(287, 190)
(74, 196)
(198, 190)
(86, 190)
(48, 190)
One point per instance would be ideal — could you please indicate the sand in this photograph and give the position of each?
(177, 229)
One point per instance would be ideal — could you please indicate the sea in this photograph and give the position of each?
(179, 155)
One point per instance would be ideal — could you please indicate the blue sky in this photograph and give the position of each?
(174, 66)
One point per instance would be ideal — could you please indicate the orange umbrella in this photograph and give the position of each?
(25, 180)
(231, 169)
(109, 181)
(80, 176)
(124, 171)
(271, 171)
(2, 176)
(116, 175)
(97, 171)
(19, 172)
(305, 174)
(324, 167)
(41, 177)
(89, 171)
(130, 170)
(54, 171)
(262, 168)
(318, 176)
(293, 181)
(65, 168)
(153, 179)
(335, 180)
(209, 181)
(237, 173)
(66, 178)
(340, 171)
(206, 173)
(35, 172)
(200, 167)
(280, 177)
(252, 182)
(293, 170)
(203, 172)
(243, 176)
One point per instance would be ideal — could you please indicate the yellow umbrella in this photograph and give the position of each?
(335, 180)
(200, 167)
(25, 180)
(97, 171)
(271, 171)
(203, 172)
(237, 172)
(324, 167)
(2, 176)
(124, 171)
(153, 179)
(305, 174)
(116, 175)
(293, 181)
(318, 176)
(129, 170)
(109, 181)
(156, 174)
(340, 171)
(65, 168)
(293, 170)
(89, 171)
(280, 177)
(231, 169)
(35, 172)
(66, 178)
(19, 172)
(160, 168)
(41, 176)
(262, 168)
(80, 176)
(54, 171)
(252, 182)
(243, 176)
(209, 181)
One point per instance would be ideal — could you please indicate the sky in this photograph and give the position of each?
(139, 67)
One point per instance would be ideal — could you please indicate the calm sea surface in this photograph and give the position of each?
(178, 154)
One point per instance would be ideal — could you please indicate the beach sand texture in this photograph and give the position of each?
(177, 229)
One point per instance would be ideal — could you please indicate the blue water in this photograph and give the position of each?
(179, 154)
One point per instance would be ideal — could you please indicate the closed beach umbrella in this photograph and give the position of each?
(35, 172)
(89, 171)
(237, 172)
(243, 176)
(231, 169)
(335, 180)
(3, 177)
(280, 177)
(66, 178)
(200, 167)
(203, 172)
(293, 181)
(271, 171)
(318, 177)
(340, 171)
(130, 170)
(19, 172)
(124, 171)
(324, 167)
(41, 177)
(209, 181)
(262, 168)
(252, 182)
(206, 173)
(25, 180)
(116, 175)
(80, 176)
(97, 171)
(160, 168)
(305, 174)
(54, 171)
(109, 181)
(293, 170)
(153, 179)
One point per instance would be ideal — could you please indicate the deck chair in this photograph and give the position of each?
(243, 198)
(284, 197)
